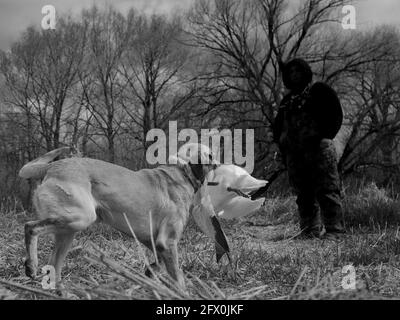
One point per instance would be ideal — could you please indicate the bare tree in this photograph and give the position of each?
(108, 38)
(40, 72)
(373, 103)
(155, 71)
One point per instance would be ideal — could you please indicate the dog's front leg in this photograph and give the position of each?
(167, 248)
(154, 267)
(170, 258)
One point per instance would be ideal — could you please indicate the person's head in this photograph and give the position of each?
(296, 74)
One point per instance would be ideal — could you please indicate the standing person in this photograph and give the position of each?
(309, 117)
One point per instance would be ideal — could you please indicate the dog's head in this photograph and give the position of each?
(199, 159)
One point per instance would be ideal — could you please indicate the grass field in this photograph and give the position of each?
(267, 262)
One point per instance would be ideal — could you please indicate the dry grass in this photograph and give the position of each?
(267, 263)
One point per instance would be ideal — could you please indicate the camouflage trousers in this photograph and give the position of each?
(314, 176)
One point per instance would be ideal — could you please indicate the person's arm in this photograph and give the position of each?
(278, 126)
(328, 110)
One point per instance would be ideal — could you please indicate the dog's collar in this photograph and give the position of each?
(187, 172)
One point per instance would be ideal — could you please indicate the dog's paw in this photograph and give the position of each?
(30, 269)
(148, 273)
(155, 268)
(62, 292)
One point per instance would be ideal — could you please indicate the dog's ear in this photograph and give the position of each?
(202, 166)
(198, 171)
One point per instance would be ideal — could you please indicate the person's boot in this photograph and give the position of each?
(311, 226)
(312, 232)
(333, 222)
(310, 219)
(334, 231)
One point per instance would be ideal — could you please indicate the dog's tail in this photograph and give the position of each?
(37, 169)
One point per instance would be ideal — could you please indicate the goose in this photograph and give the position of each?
(230, 187)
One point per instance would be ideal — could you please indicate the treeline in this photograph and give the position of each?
(101, 80)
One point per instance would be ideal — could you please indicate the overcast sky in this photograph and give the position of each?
(16, 15)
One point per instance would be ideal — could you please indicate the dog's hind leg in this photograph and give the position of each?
(32, 231)
(62, 244)
(64, 233)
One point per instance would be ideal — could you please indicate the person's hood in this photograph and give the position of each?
(306, 71)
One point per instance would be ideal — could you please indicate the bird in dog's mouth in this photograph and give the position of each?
(226, 194)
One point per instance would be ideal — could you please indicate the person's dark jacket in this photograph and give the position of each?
(324, 106)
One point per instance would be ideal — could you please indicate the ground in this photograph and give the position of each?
(266, 261)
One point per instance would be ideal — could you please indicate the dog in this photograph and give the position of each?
(77, 192)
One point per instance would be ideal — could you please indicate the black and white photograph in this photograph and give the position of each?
(222, 152)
